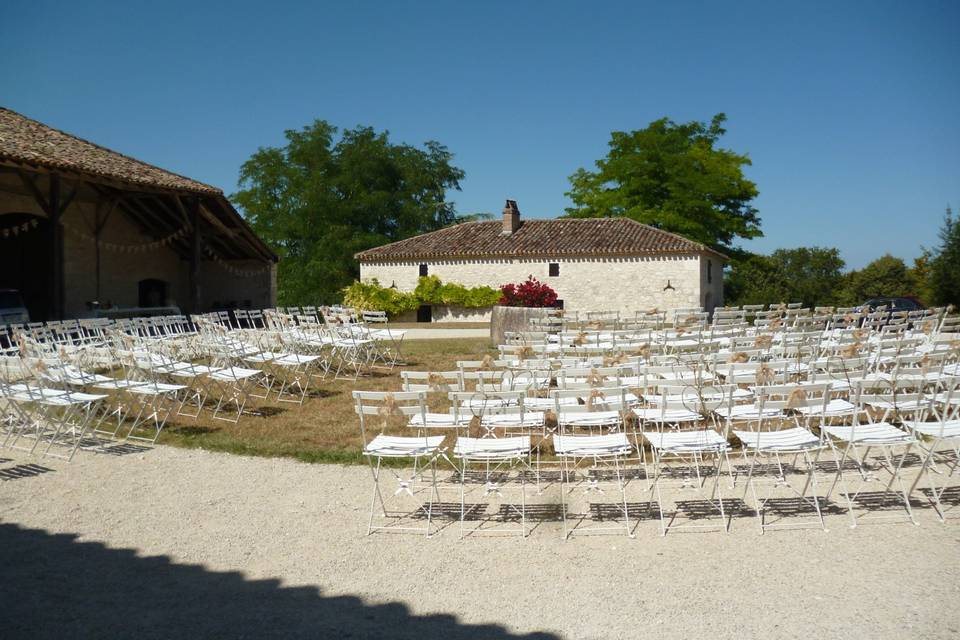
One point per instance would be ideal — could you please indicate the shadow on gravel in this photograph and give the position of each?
(22, 471)
(56, 587)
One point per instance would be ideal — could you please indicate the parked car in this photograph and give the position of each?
(12, 309)
(894, 304)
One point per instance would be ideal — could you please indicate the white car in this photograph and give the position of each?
(12, 309)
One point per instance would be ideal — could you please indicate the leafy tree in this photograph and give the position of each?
(920, 272)
(945, 265)
(811, 275)
(885, 276)
(754, 279)
(673, 177)
(318, 200)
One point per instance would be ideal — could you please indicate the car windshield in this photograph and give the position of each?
(10, 300)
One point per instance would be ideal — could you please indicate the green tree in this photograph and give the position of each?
(811, 275)
(673, 177)
(885, 276)
(945, 264)
(318, 200)
(920, 272)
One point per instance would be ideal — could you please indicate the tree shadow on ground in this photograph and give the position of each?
(54, 586)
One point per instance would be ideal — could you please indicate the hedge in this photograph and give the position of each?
(372, 296)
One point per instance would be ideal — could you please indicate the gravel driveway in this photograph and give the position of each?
(173, 543)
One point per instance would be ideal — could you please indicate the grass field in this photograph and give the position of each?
(323, 429)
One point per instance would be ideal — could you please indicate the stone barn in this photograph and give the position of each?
(88, 231)
(594, 264)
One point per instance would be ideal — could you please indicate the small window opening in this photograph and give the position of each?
(423, 270)
(553, 269)
(709, 271)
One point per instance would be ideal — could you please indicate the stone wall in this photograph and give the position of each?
(625, 284)
(443, 313)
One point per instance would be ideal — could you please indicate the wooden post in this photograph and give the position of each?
(55, 248)
(196, 256)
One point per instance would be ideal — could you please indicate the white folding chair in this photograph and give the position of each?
(407, 500)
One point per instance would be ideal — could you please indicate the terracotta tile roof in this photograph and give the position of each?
(23, 140)
(557, 237)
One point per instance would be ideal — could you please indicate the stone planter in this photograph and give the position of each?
(445, 313)
(505, 319)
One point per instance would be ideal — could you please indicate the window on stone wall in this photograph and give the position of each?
(553, 269)
(423, 270)
(709, 271)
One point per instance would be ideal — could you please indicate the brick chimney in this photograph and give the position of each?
(511, 217)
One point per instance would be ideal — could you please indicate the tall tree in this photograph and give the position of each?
(945, 265)
(674, 177)
(885, 276)
(318, 200)
(811, 275)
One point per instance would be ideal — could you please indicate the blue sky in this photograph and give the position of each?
(849, 110)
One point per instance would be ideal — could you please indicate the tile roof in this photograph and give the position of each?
(24, 140)
(557, 237)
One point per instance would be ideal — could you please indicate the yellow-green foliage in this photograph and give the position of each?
(430, 290)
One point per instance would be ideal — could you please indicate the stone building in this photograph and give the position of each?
(83, 228)
(594, 264)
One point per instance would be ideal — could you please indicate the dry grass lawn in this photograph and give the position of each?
(325, 427)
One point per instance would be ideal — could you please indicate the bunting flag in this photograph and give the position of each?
(229, 268)
(132, 248)
(15, 230)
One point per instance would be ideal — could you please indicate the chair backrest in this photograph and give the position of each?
(432, 381)
(585, 377)
(608, 398)
(384, 408)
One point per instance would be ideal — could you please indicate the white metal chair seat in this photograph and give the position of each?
(294, 360)
(871, 433)
(687, 375)
(75, 377)
(402, 446)
(946, 429)
(836, 407)
(943, 397)
(705, 440)
(240, 349)
(738, 394)
(26, 393)
(792, 439)
(119, 384)
(437, 420)
(791, 368)
(523, 380)
(263, 357)
(480, 403)
(387, 334)
(184, 370)
(746, 412)
(613, 444)
(492, 448)
(528, 419)
(151, 388)
(653, 414)
(548, 403)
(71, 399)
(234, 373)
(589, 419)
(901, 405)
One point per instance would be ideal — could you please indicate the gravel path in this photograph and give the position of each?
(176, 543)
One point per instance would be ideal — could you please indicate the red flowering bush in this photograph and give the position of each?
(531, 293)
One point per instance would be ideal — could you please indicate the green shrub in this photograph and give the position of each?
(430, 290)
